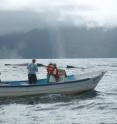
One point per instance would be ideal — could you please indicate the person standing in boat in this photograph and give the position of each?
(32, 69)
(52, 75)
(50, 69)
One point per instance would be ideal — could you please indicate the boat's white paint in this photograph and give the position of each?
(76, 86)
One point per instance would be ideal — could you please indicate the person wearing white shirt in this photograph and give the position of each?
(32, 69)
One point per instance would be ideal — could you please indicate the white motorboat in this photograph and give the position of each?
(70, 85)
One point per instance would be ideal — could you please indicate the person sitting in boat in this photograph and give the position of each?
(52, 75)
(32, 69)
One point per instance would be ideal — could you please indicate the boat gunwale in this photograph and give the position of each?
(48, 84)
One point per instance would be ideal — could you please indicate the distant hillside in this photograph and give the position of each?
(63, 42)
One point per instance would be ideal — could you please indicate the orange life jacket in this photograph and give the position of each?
(50, 69)
(53, 71)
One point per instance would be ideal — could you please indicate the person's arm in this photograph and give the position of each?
(28, 66)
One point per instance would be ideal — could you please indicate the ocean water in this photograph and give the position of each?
(94, 107)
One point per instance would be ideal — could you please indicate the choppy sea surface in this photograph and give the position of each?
(94, 107)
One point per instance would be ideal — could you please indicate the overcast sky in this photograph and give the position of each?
(16, 15)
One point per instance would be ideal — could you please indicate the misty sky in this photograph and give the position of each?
(23, 15)
(58, 28)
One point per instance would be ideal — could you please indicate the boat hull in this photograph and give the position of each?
(69, 87)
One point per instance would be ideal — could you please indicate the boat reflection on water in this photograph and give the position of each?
(45, 99)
